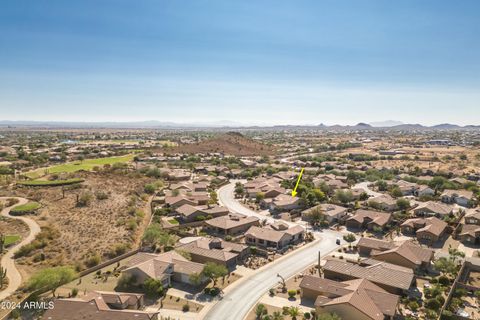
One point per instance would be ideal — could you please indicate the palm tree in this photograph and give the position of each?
(260, 311)
(294, 312)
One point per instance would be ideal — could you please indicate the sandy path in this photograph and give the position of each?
(7, 262)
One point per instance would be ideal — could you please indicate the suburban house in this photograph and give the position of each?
(176, 174)
(407, 188)
(98, 305)
(424, 190)
(432, 208)
(188, 213)
(406, 254)
(352, 299)
(384, 202)
(231, 224)
(165, 267)
(426, 229)
(473, 217)
(283, 202)
(331, 212)
(270, 188)
(368, 219)
(203, 250)
(469, 234)
(395, 279)
(178, 201)
(276, 238)
(461, 197)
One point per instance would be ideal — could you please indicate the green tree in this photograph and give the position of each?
(259, 197)
(149, 188)
(350, 237)
(344, 196)
(315, 215)
(455, 253)
(260, 311)
(403, 204)
(213, 271)
(154, 235)
(239, 189)
(446, 265)
(153, 287)
(51, 279)
(196, 279)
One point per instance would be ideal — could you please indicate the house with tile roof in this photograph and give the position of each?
(368, 219)
(166, 267)
(275, 238)
(427, 230)
(460, 197)
(231, 224)
(393, 278)
(98, 305)
(406, 254)
(432, 208)
(351, 299)
(216, 250)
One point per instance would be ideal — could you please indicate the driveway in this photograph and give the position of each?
(7, 262)
(238, 300)
(365, 186)
(227, 199)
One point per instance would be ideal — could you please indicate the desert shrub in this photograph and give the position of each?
(186, 307)
(292, 293)
(149, 188)
(413, 305)
(74, 292)
(443, 280)
(93, 260)
(153, 287)
(131, 224)
(84, 199)
(125, 282)
(433, 303)
(101, 195)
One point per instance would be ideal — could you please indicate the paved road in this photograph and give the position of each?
(365, 186)
(227, 199)
(237, 302)
(7, 262)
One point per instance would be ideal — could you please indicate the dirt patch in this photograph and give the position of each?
(231, 143)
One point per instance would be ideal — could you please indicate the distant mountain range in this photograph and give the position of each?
(154, 124)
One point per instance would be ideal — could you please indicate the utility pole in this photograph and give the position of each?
(319, 258)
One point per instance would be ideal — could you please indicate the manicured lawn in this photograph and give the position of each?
(173, 221)
(87, 164)
(26, 208)
(11, 239)
(48, 183)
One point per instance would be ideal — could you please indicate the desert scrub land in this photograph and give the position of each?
(88, 223)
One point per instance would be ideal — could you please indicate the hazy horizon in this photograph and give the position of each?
(251, 62)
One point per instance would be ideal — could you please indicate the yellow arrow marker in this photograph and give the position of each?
(294, 192)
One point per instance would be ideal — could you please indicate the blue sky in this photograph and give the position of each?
(272, 62)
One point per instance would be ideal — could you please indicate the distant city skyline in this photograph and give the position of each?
(250, 62)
